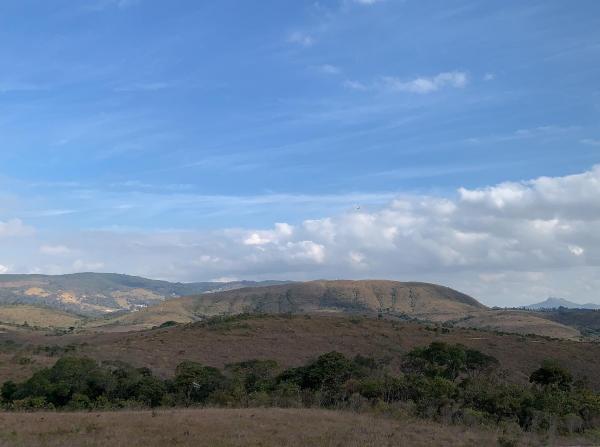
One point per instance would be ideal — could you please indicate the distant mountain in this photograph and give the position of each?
(555, 303)
(96, 294)
(369, 296)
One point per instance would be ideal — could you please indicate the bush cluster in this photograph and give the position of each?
(441, 381)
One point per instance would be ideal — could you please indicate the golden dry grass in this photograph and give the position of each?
(230, 428)
(36, 316)
(518, 322)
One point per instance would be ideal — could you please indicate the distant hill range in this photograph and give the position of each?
(555, 303)
(94, 294)
(374, 297)
(121, 303)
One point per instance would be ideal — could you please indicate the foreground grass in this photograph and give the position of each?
(264, 427)
(225, 427)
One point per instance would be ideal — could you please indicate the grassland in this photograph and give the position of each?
(291, 341)
(518, 322)
(242, 427)
(37, 316)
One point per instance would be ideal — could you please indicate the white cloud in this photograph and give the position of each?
(55, 250)
(328, 69)
(302, 39)
(420, 85)
(4, 269)
(423, 85)
(354, 85)
(13, 228)
(489, 77)
(84, 266)
(576, 250)
(509, 243)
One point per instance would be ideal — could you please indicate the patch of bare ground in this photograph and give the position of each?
(233, 427)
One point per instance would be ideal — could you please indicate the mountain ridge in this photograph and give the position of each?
(555, 303)
(95, 294)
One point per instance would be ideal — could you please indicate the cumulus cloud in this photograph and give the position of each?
(506, 244)
(3, 269)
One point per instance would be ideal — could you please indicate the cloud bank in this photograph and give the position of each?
(506, 244)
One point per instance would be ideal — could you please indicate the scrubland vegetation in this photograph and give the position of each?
(441, 382)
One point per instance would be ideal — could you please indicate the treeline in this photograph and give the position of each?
(443, 382)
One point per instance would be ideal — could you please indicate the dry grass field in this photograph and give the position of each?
(37, 316)
(291, 341)
(240, 427)
(518, 322)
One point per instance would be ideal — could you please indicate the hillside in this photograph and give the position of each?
(35, 316)
(95, 294)
(389, 299)
(518, 322)
(585, 320)
(291, 341)
(381, 297)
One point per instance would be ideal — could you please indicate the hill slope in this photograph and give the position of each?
(369, 296)
(357, 296)
(35, 316)
(100, 293)
(293, 340)
(390, 299)
(585, 320)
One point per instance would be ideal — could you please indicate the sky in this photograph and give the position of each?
(453, 141)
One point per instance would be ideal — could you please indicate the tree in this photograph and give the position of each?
(437, 359)
(254, 375)
(477, 362)
(196, 382)
(552, 374)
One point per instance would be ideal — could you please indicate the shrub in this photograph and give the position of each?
(195, 382)
(254, 375)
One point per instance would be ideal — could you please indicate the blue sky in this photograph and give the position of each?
(152, 117)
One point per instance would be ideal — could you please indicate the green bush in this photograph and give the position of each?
(552, 374)
(195, 382)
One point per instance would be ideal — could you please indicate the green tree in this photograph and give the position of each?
(196, 382)
(552, 374)
(437, 359)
